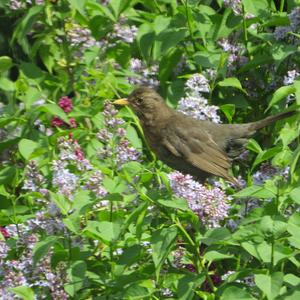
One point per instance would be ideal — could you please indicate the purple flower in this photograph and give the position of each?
(281, 32)
(211, 205)
(34, 180)
(267, 171)
(198, 84)
(143, 75)
(66, 104)
(125, 153)
(290, 77)
(57, 122)
(63, 179)
(95, 184)
(235, 5)
(294, 17)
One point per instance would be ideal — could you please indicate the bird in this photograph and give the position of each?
(200, 148)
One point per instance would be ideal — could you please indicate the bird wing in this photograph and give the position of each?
(198, 148)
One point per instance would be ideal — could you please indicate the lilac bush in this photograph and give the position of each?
(87, 211)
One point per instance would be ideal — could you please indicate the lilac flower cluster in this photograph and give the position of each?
(143, 75)
(34, 180)
(235, 5)
(235, 58)
(267, 171)
(290, 77)
(21, 271)
(116, 145)
(194, 104)
(211, 205)
(19, 4)
(94, 184)
(70, 153)
(123, 32)
(282, 32)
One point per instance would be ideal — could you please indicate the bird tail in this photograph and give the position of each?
(269, 120)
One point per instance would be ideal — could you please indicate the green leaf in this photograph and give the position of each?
(281, 93)
(288, 134)
(232, 82)
(297, 91)
(25, 292)
(162, 241)
(281, 52)
(133, 137)
(54, 110)
(187, 284)
(258, 8)
(78, 5)
(119, 6)
(27, 147)
(42, 248)
(255, 191)
(228, 110)
(76, 277)
(32, 71)
(254, 146)
(25, 25)
(5, 63)
(175, 203)
(294, 195)
(236, 293)
(6, 85)
(269, 284)
(294, 229)
(106, 231)
(61, 202)
(145, 39)
(214, 255)
(265, 155)
(292, 279)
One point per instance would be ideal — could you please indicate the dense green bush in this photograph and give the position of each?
(86, 209)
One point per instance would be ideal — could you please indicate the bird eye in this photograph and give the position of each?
(139, 100)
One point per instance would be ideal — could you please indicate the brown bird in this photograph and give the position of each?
(199, 148)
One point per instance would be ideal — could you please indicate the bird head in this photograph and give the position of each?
(145, 102)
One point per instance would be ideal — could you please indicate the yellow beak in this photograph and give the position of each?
(122, 101)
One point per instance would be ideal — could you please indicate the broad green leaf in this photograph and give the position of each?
(258, 8)
(280, 52)
(265, 155)
(106, 231)
(76, 277)
(25, 25)
(27, 147)
(187, 284)
(145, 39)
(162, 241)
(292, 279)
(5, 63)
(54, 110)
(216, 255)
(25, 292)
(42, 248)
(6, 85)
(78, 5)
(232, 82)
(175, 203)
(228, 110)
(295, 195)
(133, 137)
(31, 96)
(281, 93)
(61, 202)
(288, 134)
(216, 235)
(119, 6)
(255, 191)
(254, 146)
(236, 293)
(269, 284)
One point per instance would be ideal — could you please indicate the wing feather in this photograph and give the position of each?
(198, 148)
